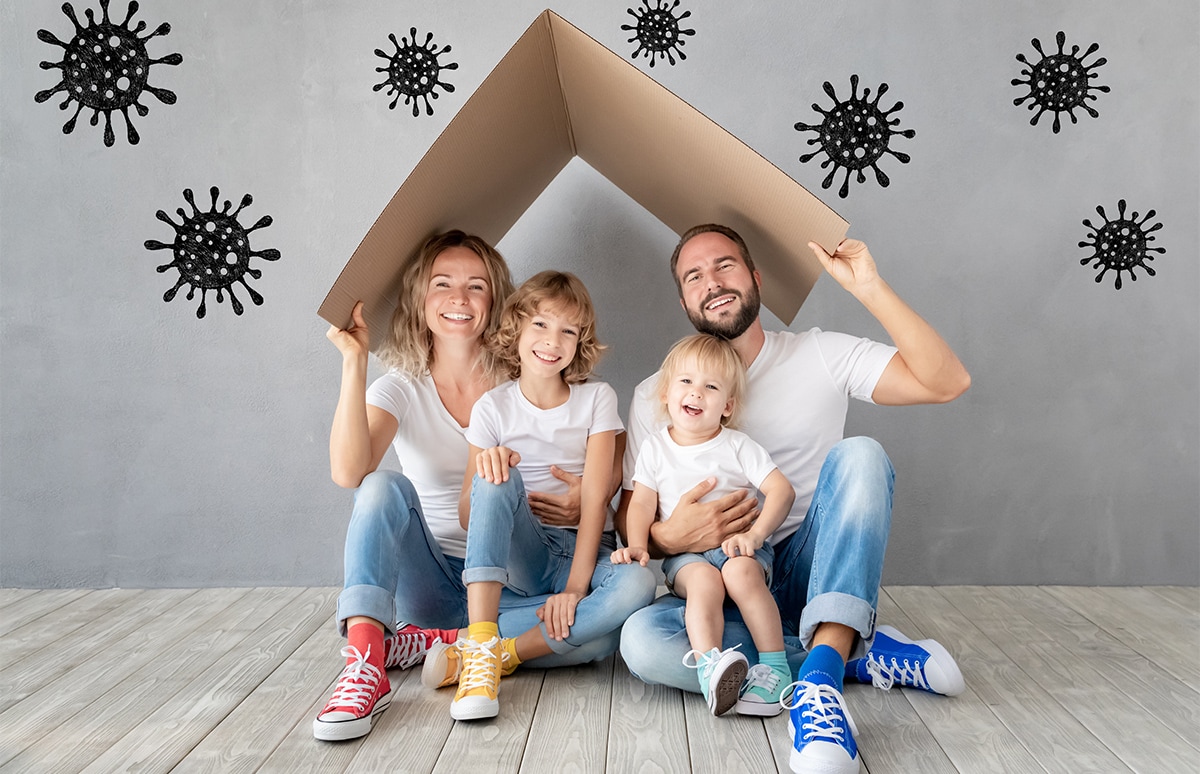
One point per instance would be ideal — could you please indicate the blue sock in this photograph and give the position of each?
(824, 665)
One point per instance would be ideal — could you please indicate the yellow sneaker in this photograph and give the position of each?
(479, 680)
(443, 664)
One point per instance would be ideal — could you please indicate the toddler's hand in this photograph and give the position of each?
(744, 544)
(630, 555)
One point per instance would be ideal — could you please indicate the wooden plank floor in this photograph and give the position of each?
(1059, 679)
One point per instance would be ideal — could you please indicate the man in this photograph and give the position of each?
(829, 551)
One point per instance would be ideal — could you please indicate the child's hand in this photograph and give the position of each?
(630, 555)
(492, 464)
(559, 614)
(744, 544)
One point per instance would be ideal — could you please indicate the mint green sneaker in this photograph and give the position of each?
(721, 673)
(763, 689)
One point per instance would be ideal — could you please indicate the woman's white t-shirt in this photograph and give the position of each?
(432, 449)
(543, 437)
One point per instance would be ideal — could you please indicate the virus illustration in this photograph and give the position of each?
(657, 31)
(1121, 244)
(1059, 82)
(413, 72)
(212, 251)
(855, 135)
(105, 68)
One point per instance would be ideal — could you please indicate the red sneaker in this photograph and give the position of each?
(411, 643)
(362, 692)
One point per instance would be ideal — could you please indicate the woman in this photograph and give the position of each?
(404, 545)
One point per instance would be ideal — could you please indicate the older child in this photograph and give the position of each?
(549, 415)
(700, 384)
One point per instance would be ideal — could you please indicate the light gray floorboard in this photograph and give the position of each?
(647, 729)
(1058, 679)
(242, 742)
(1050, 733)
(1076, 665)
(1185, 597)
(49, 694)
(284, 620)
(570, 729)
(966, 728)
(163, 668)
(30, 607)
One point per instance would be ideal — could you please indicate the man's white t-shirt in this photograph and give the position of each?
(732, 457)
(503, 416)
(799, 390)
(432, 449)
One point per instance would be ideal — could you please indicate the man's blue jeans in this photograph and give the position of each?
(828, 570)
(396, 571)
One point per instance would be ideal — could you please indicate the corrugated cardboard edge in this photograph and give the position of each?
(687, 170)
(557, 93)
(509, 140)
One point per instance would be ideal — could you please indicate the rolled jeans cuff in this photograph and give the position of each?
(484, 575)
(835, 607)
(370, 601)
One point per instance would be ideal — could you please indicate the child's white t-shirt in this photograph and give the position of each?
(503, 416)
(732, 457)
(800, 386)
(432, 449)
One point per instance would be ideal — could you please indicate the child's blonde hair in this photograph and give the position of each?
(565, 294)
(711, 354)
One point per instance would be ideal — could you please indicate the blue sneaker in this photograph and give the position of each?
(896, 660)
(822, 731)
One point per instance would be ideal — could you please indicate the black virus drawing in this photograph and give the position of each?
(1059, 82)
(212, 251)
(1122, 244)
(413, 72)
(105, 68)
(657, 31)
(855, 135)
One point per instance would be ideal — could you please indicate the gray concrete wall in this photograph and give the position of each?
(141, 446)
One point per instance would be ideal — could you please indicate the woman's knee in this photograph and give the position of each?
(384, 494)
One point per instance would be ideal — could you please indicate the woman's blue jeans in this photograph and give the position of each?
(396, 571)
(827, 571)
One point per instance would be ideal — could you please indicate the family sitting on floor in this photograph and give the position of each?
(497, 545)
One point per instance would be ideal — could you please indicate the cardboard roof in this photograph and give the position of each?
(558, 94)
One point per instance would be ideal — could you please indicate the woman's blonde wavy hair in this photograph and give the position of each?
(566, 295)
(408, 344)
(711, 354)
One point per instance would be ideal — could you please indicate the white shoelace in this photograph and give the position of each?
(884, 676)
(405, 650)
(358, 681)
(705, 661)
(824, 712)
(477, 671)
(761, 676)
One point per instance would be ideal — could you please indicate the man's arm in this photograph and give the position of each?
(925, 369)
(694, 526)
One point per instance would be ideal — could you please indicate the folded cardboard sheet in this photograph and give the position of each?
(558, 94)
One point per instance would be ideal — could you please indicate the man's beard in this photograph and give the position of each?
(728, 329)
